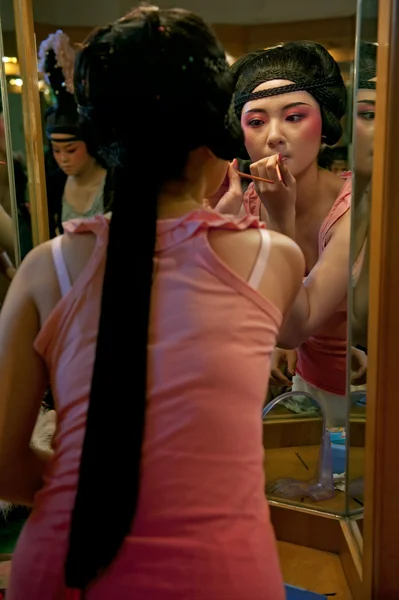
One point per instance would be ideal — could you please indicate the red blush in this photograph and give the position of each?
(311, 125)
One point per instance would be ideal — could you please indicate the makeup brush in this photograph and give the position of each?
(254, 177)
(245, 176)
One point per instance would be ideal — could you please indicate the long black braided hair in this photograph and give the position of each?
(174, 67)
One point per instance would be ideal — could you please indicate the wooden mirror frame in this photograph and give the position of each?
(27, 55)
(378, 577)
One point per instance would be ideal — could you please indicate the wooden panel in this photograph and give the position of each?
(351, 557)
(304, 529)
(234, 38)
(336, 34)
(291, 432)
(294, 431)
(339, 33)
(381, 522)
(313, 570)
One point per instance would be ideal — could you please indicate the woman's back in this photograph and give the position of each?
(130, 370)
(202, 522)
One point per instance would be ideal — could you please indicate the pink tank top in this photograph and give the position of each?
(202, 529)
(322, 358)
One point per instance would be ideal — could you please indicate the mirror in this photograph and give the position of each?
(305, 434)
(364, 107)
(15, 209)
(15, 219)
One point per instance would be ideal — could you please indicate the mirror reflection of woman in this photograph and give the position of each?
(364, 153)
(77, 181)
(291, 99)
(7, 229)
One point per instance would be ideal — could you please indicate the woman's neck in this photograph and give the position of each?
(173, 207)
(91, 174)
(177, 199)
(315, 187)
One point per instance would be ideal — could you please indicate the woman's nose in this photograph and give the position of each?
(275, 136)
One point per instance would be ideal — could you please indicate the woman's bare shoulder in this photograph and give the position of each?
(284, 268)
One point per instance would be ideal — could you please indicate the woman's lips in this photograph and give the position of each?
(283, 157)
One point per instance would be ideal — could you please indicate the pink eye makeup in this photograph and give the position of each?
(254, 119)
(366, 112)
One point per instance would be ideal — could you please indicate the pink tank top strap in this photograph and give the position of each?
(341, 205)
(99, 225)
(60, 266)
(252, 206)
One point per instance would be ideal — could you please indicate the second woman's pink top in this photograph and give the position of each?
(202, 529)
(322, 358)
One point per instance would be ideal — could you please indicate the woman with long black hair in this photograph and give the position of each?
(155, 489)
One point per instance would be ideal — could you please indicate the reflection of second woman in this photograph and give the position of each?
(291, 99)
(77, 182)
(364, 153)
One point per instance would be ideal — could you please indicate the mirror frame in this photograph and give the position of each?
(27, 55)
(381, 516)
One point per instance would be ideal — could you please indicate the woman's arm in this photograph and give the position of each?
(24, 378)
(360, 299)
(325, 288)
(360, 303)
(7, 237)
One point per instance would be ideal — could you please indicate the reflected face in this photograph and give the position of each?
(365, 116)
(289, 124)
(71, 155)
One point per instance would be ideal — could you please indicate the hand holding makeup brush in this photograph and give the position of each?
(279, 197)
(228, 199)
(6, 266)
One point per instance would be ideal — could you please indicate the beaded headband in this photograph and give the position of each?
(366, 85)
(318, 89)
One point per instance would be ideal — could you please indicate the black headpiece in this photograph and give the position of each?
(56, 62)
(318, 89)
(367, 66)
